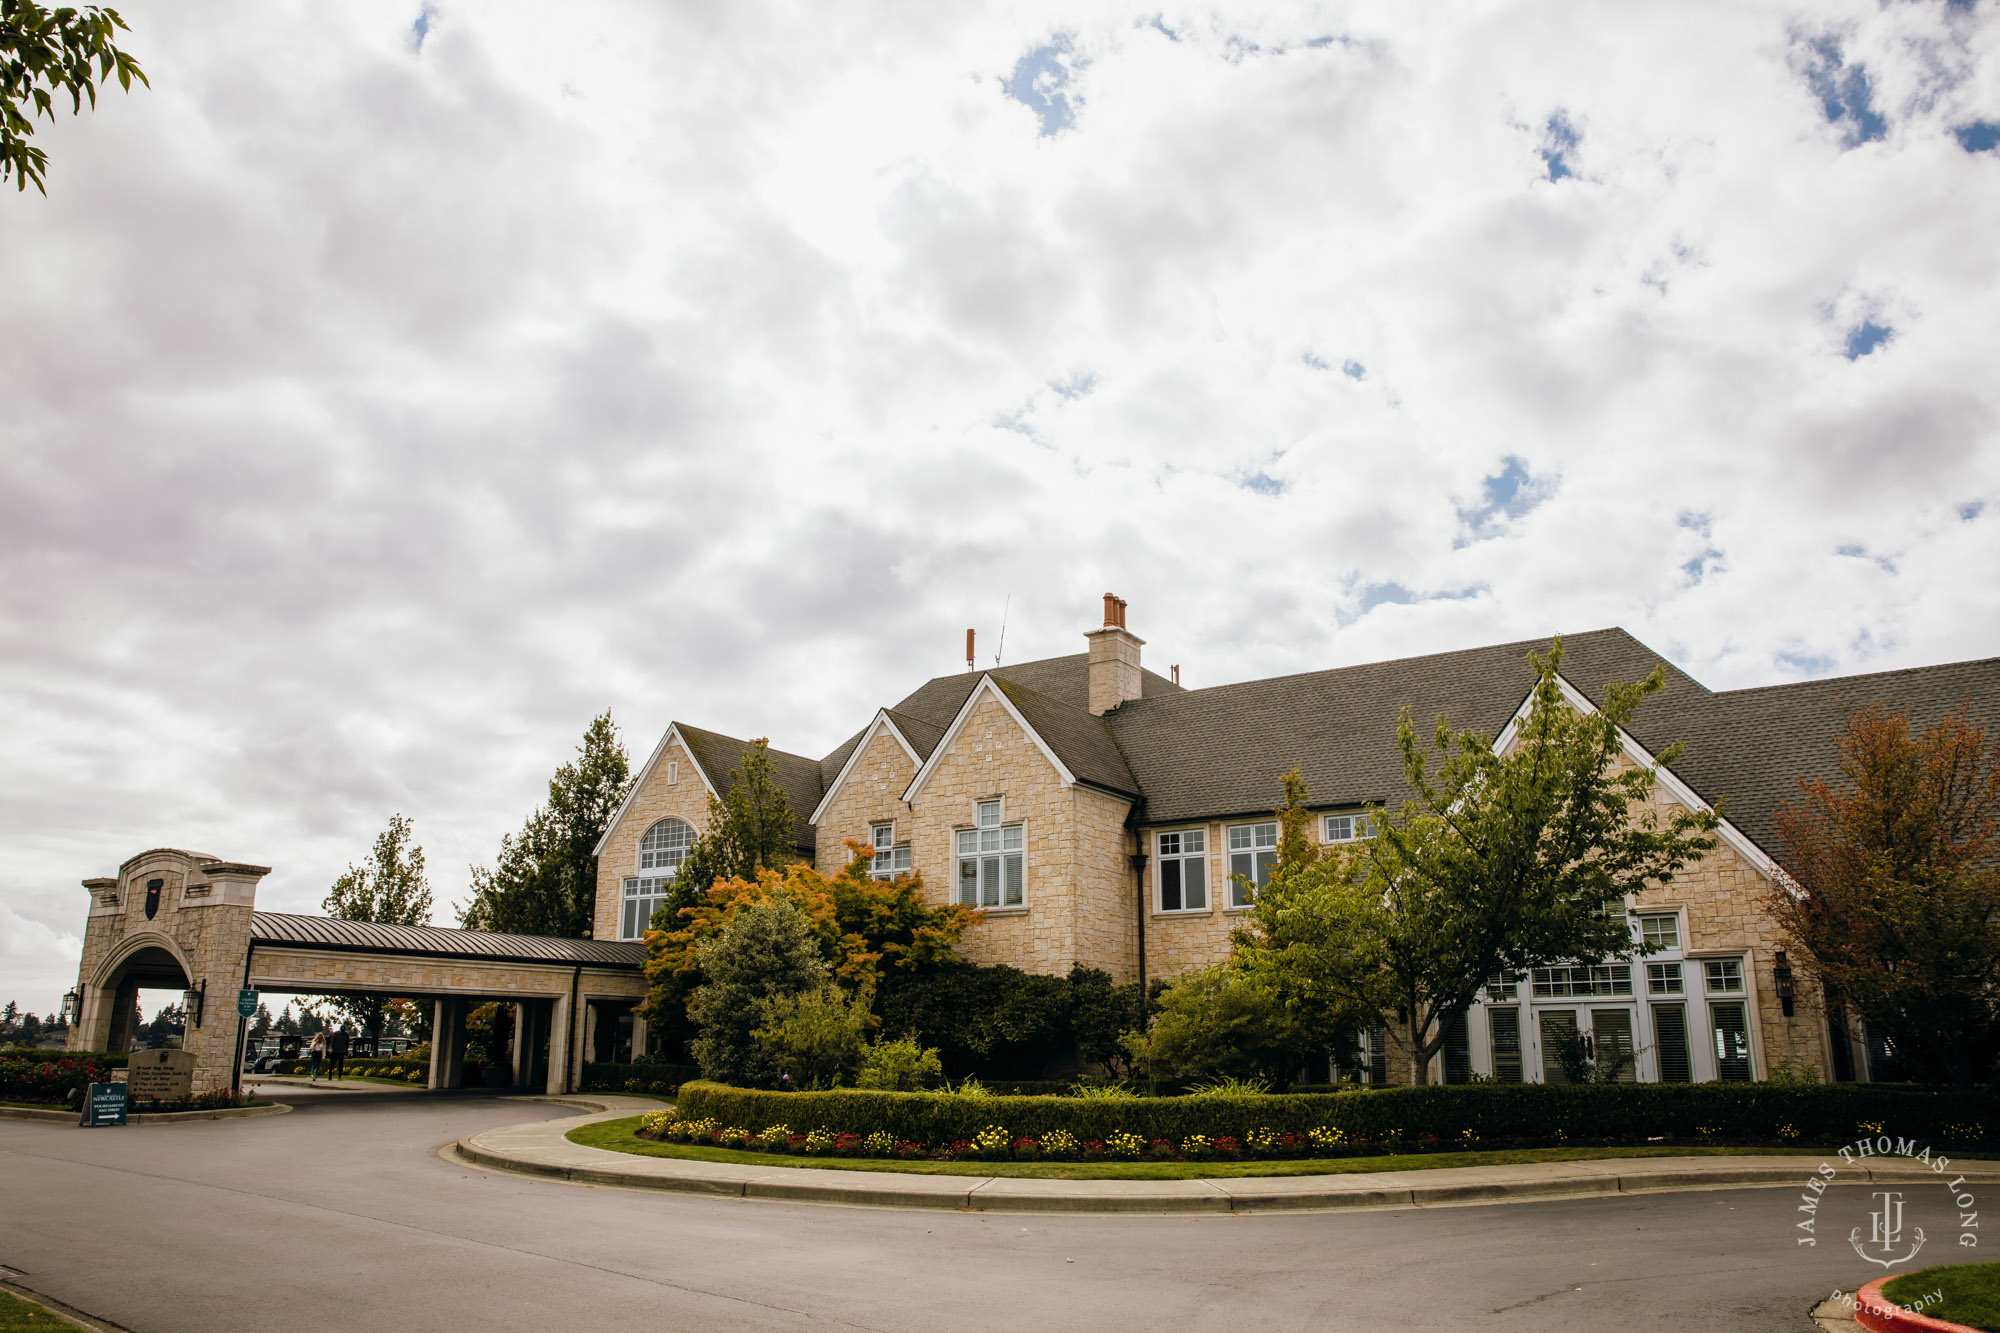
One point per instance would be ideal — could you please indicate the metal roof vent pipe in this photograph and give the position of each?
(1114, 659)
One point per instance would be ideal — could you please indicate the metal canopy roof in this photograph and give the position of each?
(322, 932)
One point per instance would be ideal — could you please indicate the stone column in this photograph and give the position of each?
(638, 1036)
(562, 1031)
(524, 1045)
(447, 1043)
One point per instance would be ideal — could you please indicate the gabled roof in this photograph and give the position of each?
(1080, 739)
(1751, 748)
(1220, 752)
(720, 755)
(884, 723)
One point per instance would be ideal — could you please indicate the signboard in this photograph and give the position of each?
(103, 1104)
(246, 1003)
(160, 1076)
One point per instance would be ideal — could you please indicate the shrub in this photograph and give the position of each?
(1102, 1091)
(767, 950)
(1494, 1114)
(818, 1038)
(1216, 1023)
(899, 1065)
(664, 1079)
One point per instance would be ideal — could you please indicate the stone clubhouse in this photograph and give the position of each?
(1094, 812)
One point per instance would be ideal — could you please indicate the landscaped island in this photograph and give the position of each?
(947, 1126)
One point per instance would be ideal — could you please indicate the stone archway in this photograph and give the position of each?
(174, 919)
(149, 960)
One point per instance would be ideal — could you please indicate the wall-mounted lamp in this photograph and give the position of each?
(193, 999)
(1781, 973)
(72, 1006)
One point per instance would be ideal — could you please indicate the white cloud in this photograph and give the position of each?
(378, 411)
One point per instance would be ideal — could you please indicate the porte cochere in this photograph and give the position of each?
(186, 921)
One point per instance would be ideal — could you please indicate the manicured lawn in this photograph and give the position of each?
(1971, 1293)
(19, 1316)
(622, 1136)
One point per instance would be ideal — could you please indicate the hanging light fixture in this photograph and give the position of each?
(1781, 973)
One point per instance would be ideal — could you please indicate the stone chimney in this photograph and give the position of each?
(1114, 659)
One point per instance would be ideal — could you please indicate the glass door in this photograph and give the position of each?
(1557, 1030)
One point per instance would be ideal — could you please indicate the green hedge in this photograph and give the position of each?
(1399, 1117)
(43, 1055)
(650, 1076)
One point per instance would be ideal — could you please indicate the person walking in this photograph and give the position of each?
(318, 1053)
(336, 1051)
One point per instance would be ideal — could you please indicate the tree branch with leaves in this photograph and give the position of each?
(46, 55)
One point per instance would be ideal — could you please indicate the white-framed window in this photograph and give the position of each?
(1253, 854)
(673, 772)
(1183, 871)
(1664, 978)
(1725, 975)
(1660, 934)
(1349, 828)
(1729, 1029)
(665, 846)
(1580, 981)
(992, 861)
(1502, 986)
(890, 860)
(643, 896)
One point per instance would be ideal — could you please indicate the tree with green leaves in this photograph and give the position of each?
(544, 881)
(750, 828)
(390, 887)
(1218, 1022)
(1892, 889)
(45, 55)
(767, 951)
(1500, 860)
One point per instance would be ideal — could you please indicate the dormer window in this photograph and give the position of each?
(1349, 828)
(992, 861)
(890, 859)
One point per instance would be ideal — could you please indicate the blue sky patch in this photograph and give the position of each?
(1701, 565)
(1076, 386)
(422, 27)
(1844, 94)
(1559, 142)
(1038, 81)
(1263, 483)
(1509, 493)
(1981, 136)
(1315, 360)
(1968, 512)
(1354, 370)
(1864, 338)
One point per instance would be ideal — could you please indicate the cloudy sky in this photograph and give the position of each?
(392, 387)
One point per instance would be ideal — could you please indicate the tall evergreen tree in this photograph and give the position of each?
(389, 887)
(544, 881)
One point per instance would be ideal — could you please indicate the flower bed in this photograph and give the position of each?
(1327, 1124)
(50, 1076)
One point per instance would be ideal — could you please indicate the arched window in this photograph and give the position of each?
(664, 845)
(661, 852)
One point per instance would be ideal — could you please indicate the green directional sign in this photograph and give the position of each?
(246, 1002)
(104, 1104)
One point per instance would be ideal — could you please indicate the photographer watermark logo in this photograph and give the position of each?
(1886, 1232)
(1890, 1239)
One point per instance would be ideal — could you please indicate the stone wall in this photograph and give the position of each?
(872, 793)
(672, 787)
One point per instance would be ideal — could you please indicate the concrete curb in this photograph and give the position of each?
(542, 1149)
(1879, 1315)
(56, 1117)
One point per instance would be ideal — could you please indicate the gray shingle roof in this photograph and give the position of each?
(1220, 752)
(1751, 748)
(324, 932)
(720, 755)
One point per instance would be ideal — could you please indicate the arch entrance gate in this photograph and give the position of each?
(188, 921)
